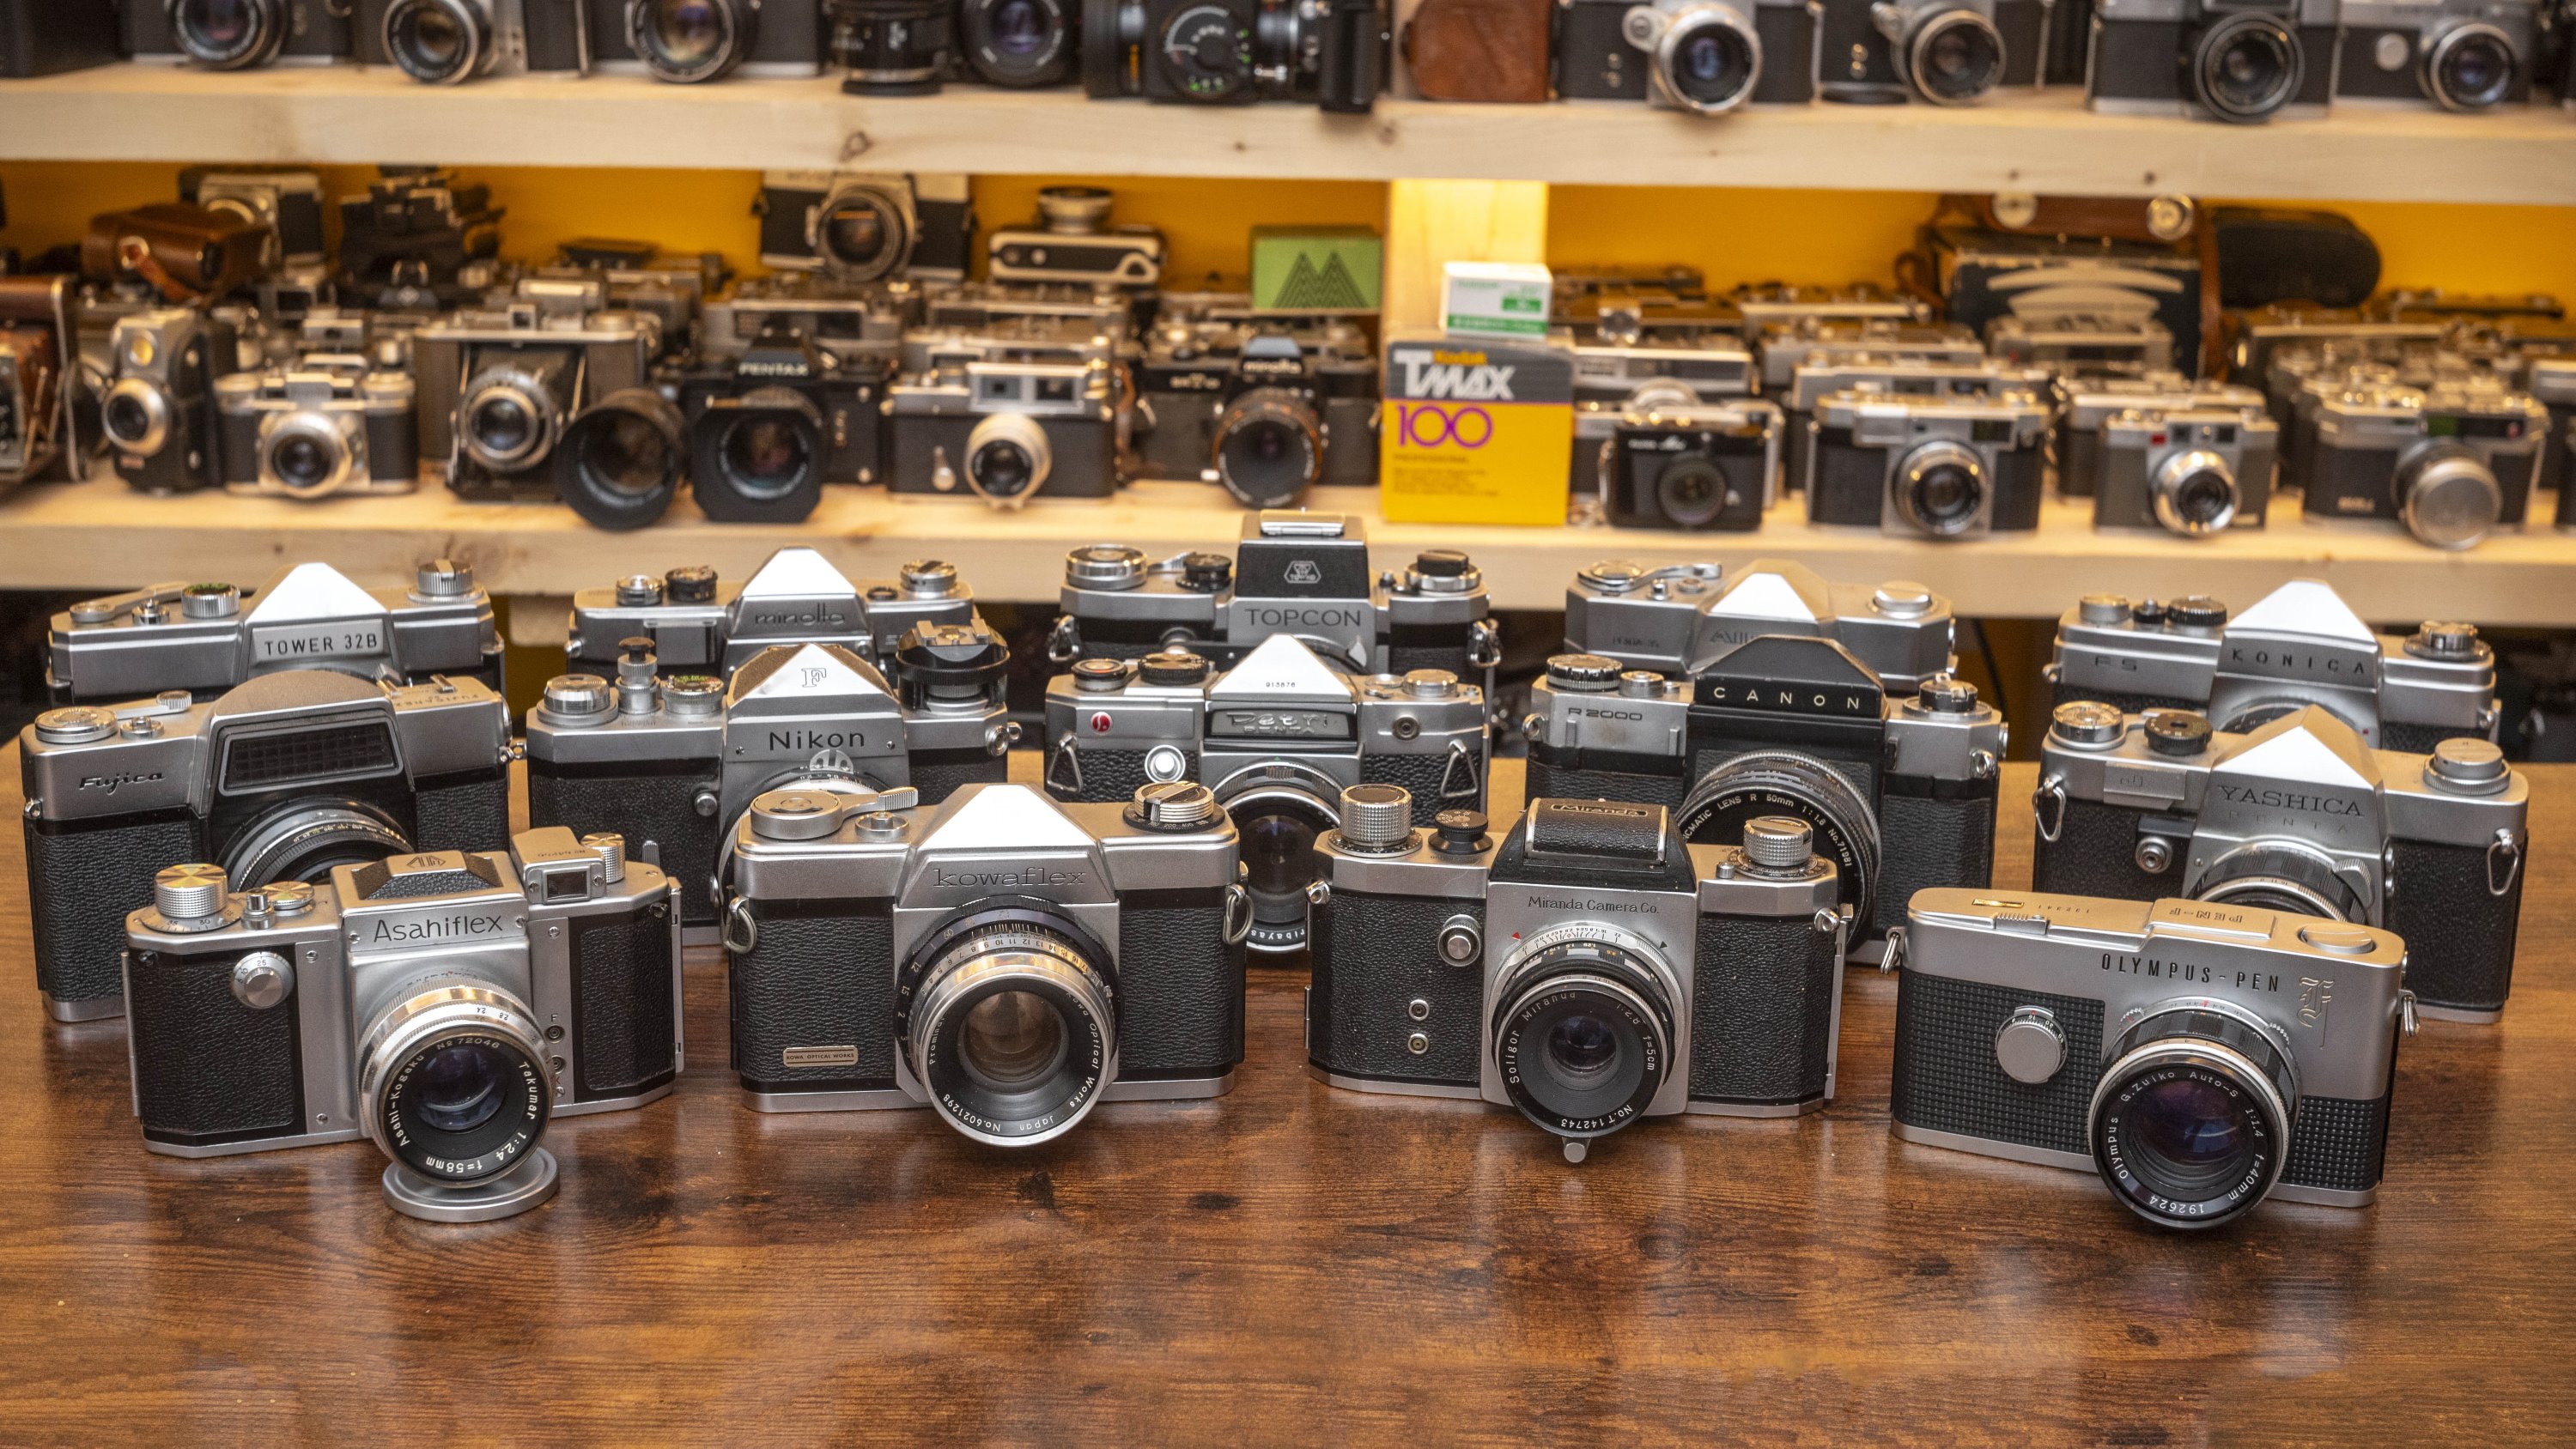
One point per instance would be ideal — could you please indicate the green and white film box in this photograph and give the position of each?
(1494, 299)
(1316, 268)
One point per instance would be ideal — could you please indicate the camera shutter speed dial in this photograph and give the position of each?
(1209, 52)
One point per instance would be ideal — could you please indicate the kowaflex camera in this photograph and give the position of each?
(311, 431)
(1277, 737)
(444, 1004)
(1234, 52)
(700, 624)
(2299, 815)
(1941, 467)
(1004, 960)
(1587, 966)
(1005, 412)
(2242, 61)
(158, 415)
(2452, 462)
(444, 42)
(237, 34)
(2190, 462)
(500, 388)
(1707, 56)
(687, 41)
(281, 778)
(2200, 1057)
(2460, 55)
(1947, 52)
(855, 227)
(1692, 465)
(1266, 410)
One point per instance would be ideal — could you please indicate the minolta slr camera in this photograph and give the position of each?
(1947, 52)
(2241, 61)
(444, 1004)
(238, 35)
(204, 638)
(281, 778)
(856, 227)
(689, 41)
(159, 413)
(2301, 815)
(2200, 1057)
(1234, 52)
(1707, 56)
(1585, 965)
(1692, 465)
(1006, 961)
(307, 431)
(700, 624)
(1004, 413)
(2452, 463)
(672, 763)
(2460, 55)
(1935, 467)
(1276, 737)
(1305, 574)
(1266, 411)
(2193, 462)
(445, 42)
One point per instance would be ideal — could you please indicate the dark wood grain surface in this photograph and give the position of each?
(1293, 1264)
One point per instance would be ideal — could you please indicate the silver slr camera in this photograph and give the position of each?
(2200, 1057)
(445, 1005)
(2193, 462)
(1277, 737)
(698, 623)
(311, 431)
(499, 388)
(1681, 618)
(1003, 960)
(2460, 55)
(1004, 413)
(1587, 967)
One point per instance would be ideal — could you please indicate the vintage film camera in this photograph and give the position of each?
(1276, 737)
(2079, 345)
(444, 1004)
(500, 388)
(1265, 410)
(2192, 459)
(158, 415)
(237, 34)
(1706, 56)
(48, 37)
(2451, 462)
(2085, 404)
(1783, 345)
(856, 322)
(1007, 412)
(1941, 467)
(687, 41)
(1305, 574)
(417, 240)
(1766, 305)
(1680, 618)
(1588, 967)
(1004, 960)
(1691, 465)
(287, 203)
(2299, 815)
(675, 761)
(281, 778)
(1333, 53)
(1020, 43)
(1640, 349)
(1072, 240)
(1823, 372)
(311, 431)
(173, 251)
(2255, 338)
(767, 428)
(2237, 62)
(854, 227)
(700, 624)
(444, 42)
(2199, 1057)
(1947, 52)
(2460, 55)
(38, 336)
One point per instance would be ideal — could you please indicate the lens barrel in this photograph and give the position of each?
(1269, 447)
(1781, 782)
(686, 42)
(2245, 68)
(1011, 1032)
(620, 463)
(892, 47)
(1018, 43)
(2190, 1123)
(439, 42)
(455, 1082)
(1582, 1033)
(229, 34)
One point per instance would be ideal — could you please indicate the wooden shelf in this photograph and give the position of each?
(100, 534)
(2046, 142)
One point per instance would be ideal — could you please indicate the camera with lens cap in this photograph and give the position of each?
(315, 431)
(2452, 462)
(2459, 55)
(768, 427)
(1707, 56)
(501, 391)
(444, 1004)
(238, 34)
(445, 42)
(688, 41)
(2240, 61)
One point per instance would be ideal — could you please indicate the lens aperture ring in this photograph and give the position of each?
(1034, 975)
(486, 1043)
(1582, 1032)
(1781, 782)
(2190, 1123)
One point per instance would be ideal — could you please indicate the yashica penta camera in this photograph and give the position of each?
(769, 427)
(673, 761)
(237, 34)
(2460, 55)
(2200, 1057)
(2301, 815)
(309, 431)
(2241, 61)
(1947, 52)
(688, 41)
(1005, 413)
(1332, 53)
(1935, 467)
(1681, 618)
(499, 388)
(1265, 410)
(1706, 56)
(2193, 465)
(698, 623)
(158, 415)
(446, 42)
(1692, 466)
(2451, 462)
(444, 1004)
(1072, 240)
(1276, 737)
(1306, 574)
(1585, 965)
(855, 227)
(1004, 960)
(280, 779)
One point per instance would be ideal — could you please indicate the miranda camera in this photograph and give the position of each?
(1276, 737)
(673, 762)
(1004, 413)
(854, 227)
(445, 42)
(1267, 411)
(280, 779)
(769, 427)
(499, 390)
(237, 34)
(443, 1004)
(1692, 466)
(309, 431)
(2450, 462)
(159, 413)
(2200, 1058)
(1305, 574)
(1942, 468)
(2460, 55)
(1587, 967)
(1947, 52)
(1072, 240)
(1235, 52)
(1706, 56)
(1683, 617)
(700, 624)
(687, 41)
(2242, 62)
(2191, 463)
(1006, 961)
(2299, 815)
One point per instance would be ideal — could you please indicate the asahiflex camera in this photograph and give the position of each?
(2201, 1057)
(1585, 964)
(1276, 737)
(697, 623)
(2242, 62)
(2298, 645)
(280, 779)
(445, 1004)
(1004, 960)
(1707, 56)
(2300, 815)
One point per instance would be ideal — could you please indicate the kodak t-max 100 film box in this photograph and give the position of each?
(1475, 430)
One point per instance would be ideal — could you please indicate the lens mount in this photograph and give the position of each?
(2245, 68)
(860, 233)
(454, 1082)
(1007, 459)
(303, 840)
(620, 463)
(1953, 57)
(2183, 489)
(1783, 782)
(2470, 67)
(229, 34)
(1582, 1035)
(1940, 487)
(2447, 496)
(412, 38)
(308, 454)
(2190, 1122)
(508, 420)
(1011, 1033)
(688, 41)
(136, 416)
(1707, 60)
(2282, 875)
(1269, 447)
(1278, 820)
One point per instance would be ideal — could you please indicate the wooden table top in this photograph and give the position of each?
(1293, 1264)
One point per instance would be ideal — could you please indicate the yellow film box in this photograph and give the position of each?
(1475, 431)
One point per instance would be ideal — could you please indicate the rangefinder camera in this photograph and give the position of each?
(498, 388)
(288, 203)
(446, 42)
(700, 624)
(1004, 413)
(689, 41)
(2078, 345)
(1587, 966)
(1305, 574)
(282, 778)
(2084, 405)
(1072, 241)
(673, 762)
(856, 322)
(158, 415)
(1691, 466)
(1006, 961)
(2300, 815)
(237, 34)
(2188, 466)
(2226, 60)
(204, 638)
(1787, 344)
(2452, 463)
(1704, 56)
(1276, 737)
(1682, 618)
(2200, 1057)
(2460, 55)
(1939, 468)
(1947, 52)
(310, 432)
(443, 1004)
(1264, 410)
(1822, 372)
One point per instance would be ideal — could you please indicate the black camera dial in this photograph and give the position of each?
(1209, 52)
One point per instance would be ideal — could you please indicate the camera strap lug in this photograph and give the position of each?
(1458, 778)
(2407, 1021)
(1064, 771)
(2051, 791)
(1894, 954)
(741, 933)
(1484, 644)
(1238, 914)
(2504, 847)
(1064, 641)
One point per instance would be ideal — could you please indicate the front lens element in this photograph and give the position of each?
(1711, 64)
(1010, 1030)
(227, 33)
(436, 40)
(2471, 68)
(1957, 57)
(1012, 1040)
(1693, 492)
(2190, 1123)
(461, 1084)
(767, 456)
(691, 40)
(2246, 67)
(1269, 447)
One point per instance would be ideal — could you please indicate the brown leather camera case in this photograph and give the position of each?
(1480, 50)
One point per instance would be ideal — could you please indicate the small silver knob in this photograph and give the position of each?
(444, 578)
(262, 979)
(1461, 940)
(693, 695)
(1902, 599)
(636, 590)
(1175, 805)
(2467, 767)
(579, 696)
(794, 815)
(1430, 684)
(2087, 722)
(1101, 676)
(1779, 842)
(1377, 817)
(2030, 1047)
(610, 847)
(928, 578)
(2102, 609)
(210, 601)
(2442, 639)
(1641, 684)
(188, 892)
(77, 725)
(1105, 566)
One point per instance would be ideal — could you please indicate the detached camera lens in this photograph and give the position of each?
(2246, 68)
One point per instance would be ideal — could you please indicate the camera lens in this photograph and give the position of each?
(2194, 493)
(861, 234)
(1278, 827)
(1709, 65)
(1957, 56)
(136, 417)
(453, 1081)
(1693, 492)
(2246, 67)
(686, 41)
(2281, 876)
(306, 456)
(1010, 1029)
(438, 41)
(1017, 42)
(2190, 1123)
(1778, 782)
(227, 34)
(306, 840)
(510, 414)
(1012, 1040)
(891, 47)
(2471, 68)
(620, 463)
(1007, 458)
(2447, 496)
(1940, 488)
(461, 1085)
(1583, 1037)
(1269, 447)
(765, 456)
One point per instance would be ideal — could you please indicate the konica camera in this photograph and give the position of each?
(237, 34)
(1004, 960)
(675, 761)
(2238, 62)
(854, 227)
(158, 414)
(310, 432)
(1305, 574)
(700, 624)
(444, 42)
(1585, 965)
(1824, 371)
(1708, 56)
(2194, 461)
(2300, 815)
(1234, 52)
(500, 387)
(687, 41)
(1266, 410)
(1947, 52)
(282, 778)
(1072, 240)
(444, 1004)
(767, 428)
(1004, 413)
(2200, 1057)
(1680, 618)
(1276, 737)
(2460, 55)
(2452, 462)
(1938, 467)
(1692, 465)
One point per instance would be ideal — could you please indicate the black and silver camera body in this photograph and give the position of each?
(1277, 737)
(1947, 52)
(2191, 466)
(443, 1004)
(1264, 409)
(2074, 344)
(859, 227)
(689, 41)
(447, 42)
(1072, 241)
(2552, 382)
(499, 389)
(1692, 466)
(1022, 44)
(1007, 961)
(417, 241)
(2084, 404)
(1683, 617)
(1333, 53)
(2452, 463)
(237, 34)
(1705, 56)
(311, 431)
(1943, 468)
(769, 427)
(158, 415)
(1306, 574)
(1004, 413)
(287, 202)
(1822, 372)
(1782, 346)
(2199, 1057)
(2241, 61)
(281, 778)
(699, 623)
(2300, 815)
(2460, 55)
(674, 762)
(858, 322)
(2256, 338)
(1585, 965)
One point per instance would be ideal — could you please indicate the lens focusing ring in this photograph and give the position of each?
(1008, 431)
(1268, 407)
(472, 24)
(1918, 55)
(2206, 1055)
(1581, 970)
(2177, 474)
(1915, 472)
(460, 1012)
(2442, 53)
(737, 28)
(2281, 876)
(302, 839)
(988, 961)
(319, 429)
(509, 384)
(1668, 57)
(1782, 782)
(2208, 59)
